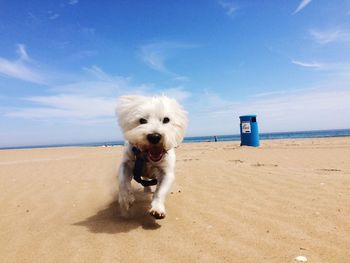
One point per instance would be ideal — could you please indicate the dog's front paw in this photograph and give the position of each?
(157, 211)
(157, 214)
(125, 201)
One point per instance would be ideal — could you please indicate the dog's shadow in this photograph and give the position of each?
(110, 220)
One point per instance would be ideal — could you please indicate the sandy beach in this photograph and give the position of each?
(287, 198)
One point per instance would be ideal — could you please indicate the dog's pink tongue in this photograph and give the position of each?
(156, 153)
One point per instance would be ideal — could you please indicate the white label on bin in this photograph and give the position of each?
(246, 127)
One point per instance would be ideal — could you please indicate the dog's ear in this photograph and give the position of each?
(125, 103)
(125, 110)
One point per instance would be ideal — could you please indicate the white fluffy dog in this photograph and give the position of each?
(152, 127)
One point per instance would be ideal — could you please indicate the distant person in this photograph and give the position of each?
(215, 138)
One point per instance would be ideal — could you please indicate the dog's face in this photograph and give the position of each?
(154, 124)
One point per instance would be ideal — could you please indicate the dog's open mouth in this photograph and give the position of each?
(155, 154)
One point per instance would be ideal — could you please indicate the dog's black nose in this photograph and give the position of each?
(154, 138)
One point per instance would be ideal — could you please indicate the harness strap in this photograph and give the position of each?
(139, 163)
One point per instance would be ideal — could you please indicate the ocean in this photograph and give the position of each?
(234, 137)
(275, 135)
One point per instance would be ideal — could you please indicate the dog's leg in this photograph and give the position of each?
(126, 196)
(163, 187)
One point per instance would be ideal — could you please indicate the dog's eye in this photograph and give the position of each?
(166, 120)
(143, 121)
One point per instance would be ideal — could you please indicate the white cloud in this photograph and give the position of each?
(181, 78)
(308, 65)
(333, 73)
(20, 68)
(304, 110)
(309, 109)
(302, 5)
(230, 7)
(85, 105)
(90, 99)
(209, 112)
(22, 52)
(66, 106)
(269, 93)
(98, 73)
(93, 87)
(156, 54)
(330, 36)
(73, 2)
(54, 16)
(99, 83)
(178, 93)
(81, 106)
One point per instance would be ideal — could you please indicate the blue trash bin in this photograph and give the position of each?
(249, 130)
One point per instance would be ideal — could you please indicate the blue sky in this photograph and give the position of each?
(63, 63)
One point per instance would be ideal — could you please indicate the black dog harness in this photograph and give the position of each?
(139, 163)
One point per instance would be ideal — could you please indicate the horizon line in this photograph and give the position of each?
(121, 142)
